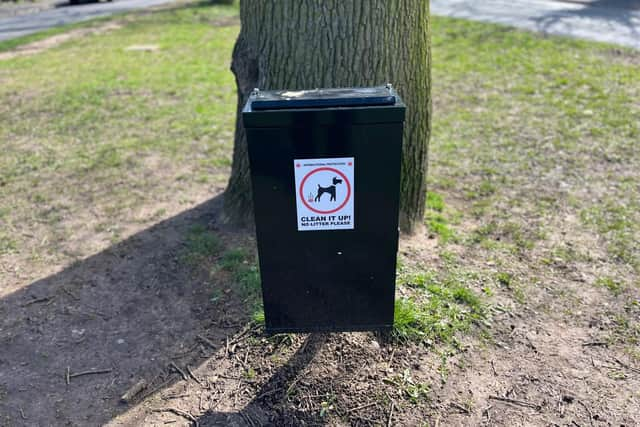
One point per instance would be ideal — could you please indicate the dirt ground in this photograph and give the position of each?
(134, 312)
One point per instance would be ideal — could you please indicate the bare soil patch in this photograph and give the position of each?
(53, 41)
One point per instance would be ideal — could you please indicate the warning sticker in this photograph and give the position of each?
(324, 193)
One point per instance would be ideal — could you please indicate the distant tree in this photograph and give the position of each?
(298, 44)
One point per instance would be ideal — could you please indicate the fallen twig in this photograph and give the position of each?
(133, 391)
(390, 414)
(206, 341)
(180, 371)
(71, 294)
(36, 301)
(66, 377)
(100, 371)
(156, 388)
(236, 394)
(24, 417)
(393, 353)
(180, 413)
(594, 343)
(493, 368)
(193, 376)
(588, 411)
(487, 412)
(460, 407)
(517, 402)
(222, 396)
(239, 337)
(357, 408)
(175, 396)
(624, 365)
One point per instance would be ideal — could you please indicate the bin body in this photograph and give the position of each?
(325, 173)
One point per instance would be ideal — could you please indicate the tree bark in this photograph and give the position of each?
(302, 44)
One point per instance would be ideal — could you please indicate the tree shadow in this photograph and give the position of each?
(265, 409)
(128, 311)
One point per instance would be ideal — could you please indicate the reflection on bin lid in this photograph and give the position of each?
(323, 98)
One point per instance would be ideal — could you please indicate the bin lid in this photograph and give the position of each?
(316, 107)
(323, 98)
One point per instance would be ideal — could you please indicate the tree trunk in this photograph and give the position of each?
(302, 44)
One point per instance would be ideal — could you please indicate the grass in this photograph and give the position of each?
(519, 113)
(242, 267)
(200, 245)
(437, 217)
(105, 131)
(611, 284)
(441, 309)
(527, 131)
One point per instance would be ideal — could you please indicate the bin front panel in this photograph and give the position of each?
(330, 279)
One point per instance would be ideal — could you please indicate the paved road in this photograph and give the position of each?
(65, 14)
(613, 21)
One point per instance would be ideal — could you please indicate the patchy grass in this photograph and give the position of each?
(200, 245)
(242, 267)
(106, 132)
(411, 389)
(617, 221)
(438, 217)
(616, 287)
(441, 308)
(532, 172)
(547, 124)
(538, 143)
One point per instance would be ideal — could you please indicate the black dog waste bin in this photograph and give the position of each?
(325, 171)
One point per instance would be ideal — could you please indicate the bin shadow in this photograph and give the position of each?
(265, 409)
(128, 311)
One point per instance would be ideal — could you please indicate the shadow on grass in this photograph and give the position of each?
(128, 311)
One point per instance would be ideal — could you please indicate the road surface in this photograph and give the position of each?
(612, 21)
(64, 13)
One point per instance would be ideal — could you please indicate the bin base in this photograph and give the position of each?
(310, 329)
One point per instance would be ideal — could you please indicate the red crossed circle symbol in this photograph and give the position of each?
(346, 181)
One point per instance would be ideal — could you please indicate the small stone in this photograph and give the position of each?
(375, 345)
(120, 341)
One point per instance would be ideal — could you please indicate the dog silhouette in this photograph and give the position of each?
(331, 190)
